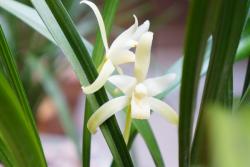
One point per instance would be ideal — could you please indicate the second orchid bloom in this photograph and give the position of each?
(139, 92)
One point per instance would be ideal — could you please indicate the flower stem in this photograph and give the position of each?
(126, 132)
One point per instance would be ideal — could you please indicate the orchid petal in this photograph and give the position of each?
(142, 56)
(103, 76)
(122, 57)
(143, 28)
(106, 111)
(124, 82)
(158, 85)
(100, 22)
(123, 40)
(119, 70)
(164, 109)
(140, 108)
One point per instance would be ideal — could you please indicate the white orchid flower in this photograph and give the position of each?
(119, 51)
(138, 91)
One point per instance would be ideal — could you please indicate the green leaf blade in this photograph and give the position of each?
(144, 128)
(58, 21)
(110, 8)
(27, 15)
(218, 85)
(16, 132)
(86, 142)
(10, 67)
(199, 27)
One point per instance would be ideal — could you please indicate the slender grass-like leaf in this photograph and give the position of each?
(242, 53)
(245, 97)
(64, 32)
(227, 32)
(144, 129)
(109, 11)
(133, 134)
(200, 22)
(27, 15)
(247, 79)
(4, 152)
(243, 49)
(30, 16)
(177, 69)
(52, 89)
(18, 139)
(10, 68)
(86, 141)
(147, 134)
(68, 4)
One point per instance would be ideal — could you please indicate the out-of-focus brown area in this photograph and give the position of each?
(47, 112)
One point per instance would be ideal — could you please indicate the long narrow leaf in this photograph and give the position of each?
(64, 32)
(246, 98)
(144, 129)
(20, 143)
(10, 67)
(227, 32)
(68, 4)
(147, 134)
(110, 8)
(86, 141)
(247, 78)
(29, 16)
(200, 22)
(52, 89)
(4, 154)
(133, 134)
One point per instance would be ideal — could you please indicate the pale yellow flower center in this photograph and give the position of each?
(140, 91)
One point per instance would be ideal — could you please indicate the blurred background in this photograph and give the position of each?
(53, 89)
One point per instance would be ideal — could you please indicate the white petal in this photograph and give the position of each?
(100, 22)
(164, 109)
(158, 85)
(124, 39)
(103, 76)
(119, 70)
(124, 82)
(141, 30)
(106, 111)
(122, 57)
(140, 108)
(142, 56)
